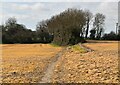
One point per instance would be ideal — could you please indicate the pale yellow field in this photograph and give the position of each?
(26, 62)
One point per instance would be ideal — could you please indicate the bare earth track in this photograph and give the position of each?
(49, 71)
(40, 63)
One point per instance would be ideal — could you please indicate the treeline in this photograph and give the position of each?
(67, 28)
(111, 36)
(72, 26)
(12, 32)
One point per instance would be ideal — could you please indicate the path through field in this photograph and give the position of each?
(49, 71)
(43, 63)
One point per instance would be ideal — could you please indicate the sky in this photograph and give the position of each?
(30, 13)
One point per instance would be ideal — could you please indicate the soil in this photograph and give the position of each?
(44, 63)
(25, 63)
(97, 66)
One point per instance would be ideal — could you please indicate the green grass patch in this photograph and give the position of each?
(78, 48)
(54, 45)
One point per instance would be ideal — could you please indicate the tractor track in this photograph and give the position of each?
(49, 70)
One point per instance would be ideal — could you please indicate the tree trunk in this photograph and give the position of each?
(87, 30)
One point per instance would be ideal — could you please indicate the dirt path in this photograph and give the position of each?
(49, 71)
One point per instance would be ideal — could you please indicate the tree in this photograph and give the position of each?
(67, 26)
(42, 32)
(110, 36)
(98, 24)
(11, 21)
(1, 26)
(92, 33)
(12, 32)
(89, 16)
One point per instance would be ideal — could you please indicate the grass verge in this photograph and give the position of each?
(78, 48)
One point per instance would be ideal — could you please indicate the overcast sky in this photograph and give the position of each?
(29, 13)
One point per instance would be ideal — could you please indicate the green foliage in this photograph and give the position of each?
(12, 32)
(78, 48)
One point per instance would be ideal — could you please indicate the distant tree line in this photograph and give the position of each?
(111, 36)
(12, 32)
(67, 28)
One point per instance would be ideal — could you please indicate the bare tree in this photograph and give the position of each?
(89, 16)
(98, 24)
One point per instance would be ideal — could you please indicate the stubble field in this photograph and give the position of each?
(24, 63)
(98, 66)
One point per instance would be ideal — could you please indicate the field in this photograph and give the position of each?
(92, 63)
(26, 62)
(97, 66)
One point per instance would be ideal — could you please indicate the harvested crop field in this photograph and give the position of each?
(44, 63)
(26, 62)
(97, 66)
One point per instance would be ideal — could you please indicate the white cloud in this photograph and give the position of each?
(106, 7)
(110, 10)
(38, 6)
(30, 13)
(20, 7)
(17, 16)
(59, 0)
(119, 13)
(25, 6)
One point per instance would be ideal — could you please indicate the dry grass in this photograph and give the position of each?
(26, 62)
